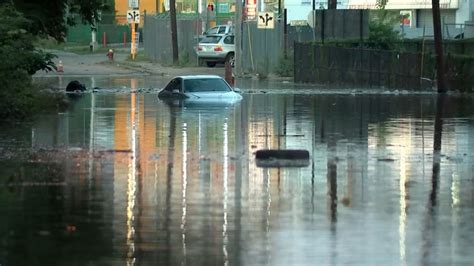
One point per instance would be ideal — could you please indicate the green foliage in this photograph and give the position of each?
(285, 66)
(52, 17)
(17, 52)
(381, 30)
(20, 59)
(184, 58)
(381, 4)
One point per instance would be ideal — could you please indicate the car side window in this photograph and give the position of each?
(221, 30)
(212, 30)
(174, 84)
(229, 40)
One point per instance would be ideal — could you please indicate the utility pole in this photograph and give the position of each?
(332, 4)
(238, 38)
(438, 46)
(174, 32)
(313, 14)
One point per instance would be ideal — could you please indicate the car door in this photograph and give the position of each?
(228, 44)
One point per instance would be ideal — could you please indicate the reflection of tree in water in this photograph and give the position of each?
(169, 188)
(428, 229)
(35, 209)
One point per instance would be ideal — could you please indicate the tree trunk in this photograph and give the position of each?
(174, 32)
(438, 46)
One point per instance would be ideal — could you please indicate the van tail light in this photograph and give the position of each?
(199, 48)
(218, 49)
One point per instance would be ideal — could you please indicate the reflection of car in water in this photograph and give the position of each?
(199, 89)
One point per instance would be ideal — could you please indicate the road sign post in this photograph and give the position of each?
(133, 17)
(133, 51)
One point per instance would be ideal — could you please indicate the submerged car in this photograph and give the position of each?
(214, 49)
(209, 89)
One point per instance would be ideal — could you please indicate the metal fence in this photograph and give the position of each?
(106, 34)
(157, 38)
(261, 48)
(357, 67)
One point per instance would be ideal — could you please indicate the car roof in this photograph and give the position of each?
(184, 77)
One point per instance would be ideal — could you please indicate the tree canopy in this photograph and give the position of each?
(21, 23)
(52, 17)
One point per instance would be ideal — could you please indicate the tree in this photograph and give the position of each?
(332, 4)
(174, 33)
(21, 23)
(381, 32)
(52, 17)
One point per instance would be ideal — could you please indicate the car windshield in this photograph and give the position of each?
(205, 85)
(211, 39)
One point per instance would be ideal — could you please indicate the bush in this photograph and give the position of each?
(285, 66)
(183, 58)
(20, 59)
(381, 30)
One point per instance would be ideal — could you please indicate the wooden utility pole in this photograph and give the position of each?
(438, 46)
(174, 32)
(238, 40)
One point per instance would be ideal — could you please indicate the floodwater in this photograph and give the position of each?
(126, 179)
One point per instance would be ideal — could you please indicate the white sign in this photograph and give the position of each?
(133, 16)
(133, 3)
(266, 20)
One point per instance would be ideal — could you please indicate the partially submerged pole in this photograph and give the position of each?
(438, 47)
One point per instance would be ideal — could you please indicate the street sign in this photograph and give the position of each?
(133, 16)
(133, 3)
(266, 20)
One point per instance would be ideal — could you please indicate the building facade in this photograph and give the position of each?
(416, 16)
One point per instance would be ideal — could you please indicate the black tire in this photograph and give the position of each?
(211, 64)
(231, 59)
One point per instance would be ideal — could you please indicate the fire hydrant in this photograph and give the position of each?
(110, 55)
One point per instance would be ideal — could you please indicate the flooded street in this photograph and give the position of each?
(126, 179)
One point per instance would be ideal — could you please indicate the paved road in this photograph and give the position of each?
(98, 64)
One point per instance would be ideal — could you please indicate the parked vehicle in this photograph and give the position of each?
(200, 89)
(220, 29)
(214, 49)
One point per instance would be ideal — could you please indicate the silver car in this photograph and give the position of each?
(203, 89)
(220, 29)
(214, 49)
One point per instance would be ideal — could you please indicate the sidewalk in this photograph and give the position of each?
(98, 64)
